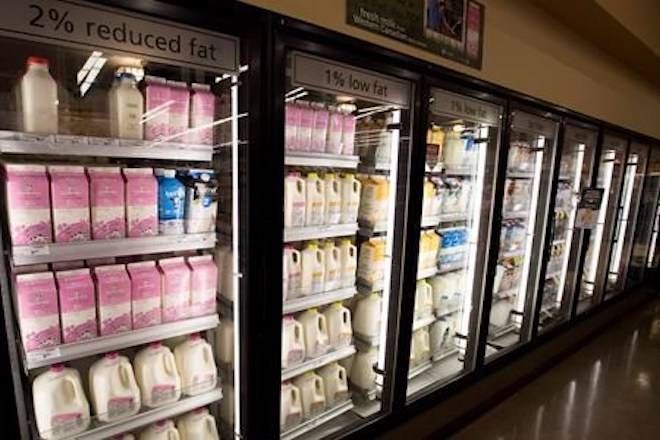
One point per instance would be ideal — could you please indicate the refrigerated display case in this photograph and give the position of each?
(574, 175)
(462, 147)
(626, 218)
(120, 164)
(610, 175)
(346, 153)
(530, 161)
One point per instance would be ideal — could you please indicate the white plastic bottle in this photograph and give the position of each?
(163, 430)
(294, 201)
(156, 374)
(291, 412)
(126, 108)
(60, 406)
(423, 300)
(314, 200)
(332, 185)
(350, 198)
(114, 391)
(313, 269)
(332, 257)
(293, 342)
(196, 365)
(362, 374)
(366, 320)
(312, 392)
(348, 263)
(292, 262)
(197, 425)
(420, 346)
(340, 329)
(335, 382)
(225, 341)
(38, 98)
(315, 330)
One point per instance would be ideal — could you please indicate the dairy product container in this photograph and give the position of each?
(291, 121)
(293, 342)
(313, 269)
(348, 134)
(171, 202)
(141, 202)
(157, 376)
(340, 329)
(291, 411)
(453, 149)
(320, 128)
(202, 115)
(366, 319)
(113, 288)
(175, 288)
(314, 200)
(203, 285)
(77, 305)
(362, 374)
(332, 187)
(201, 203)
(335, 383)
(227, 404)
(38, 98)
(312, 393)
(333, 143)
(179, 110)
(348, 263)
(162, 430)
(420, 347)
(197, 425)
(315, 331)
(350, 198)
(304, 131)
(423, 300)
(225, 262)
(428, 195)
(145, 294)
(441, 335)
(373, 199)
(332, 279)
(371, 263)
(292, 272)
(113, 390)
(28, 204)
(61, 408)
(69, 191)
(157, 106)
(38, 310)
(225, 341)
(294, 200)
(107, 203)
(196, 365)
(126, 108)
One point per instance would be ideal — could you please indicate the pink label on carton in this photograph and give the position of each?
(114, 295)
(37, 297)
(69, 190)
(77, 305)
(27, 190)
(107, 190)
(176, 289)
(203, 282)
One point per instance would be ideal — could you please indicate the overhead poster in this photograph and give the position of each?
(450, 28)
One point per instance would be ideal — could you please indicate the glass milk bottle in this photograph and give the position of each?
(126, 108)
(38, 98)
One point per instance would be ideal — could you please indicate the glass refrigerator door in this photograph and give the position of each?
(345, 129)
(462, 148)
(560, 275)
(524, 212)
(624, 232)
(610, 174)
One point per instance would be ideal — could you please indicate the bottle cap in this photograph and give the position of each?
(32, 61)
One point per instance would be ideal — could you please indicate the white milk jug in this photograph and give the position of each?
(293, 342)
(366, 322)
(348, 263)
(315, 330)
(227, 404)
(126, 108)
(114, 391)
(373, 199)
(423, 300)
(363, 375)
(224, 260)
(38, 98)
(440, 336)
(335, 383)
(332, 199)
(453, 149)
(420, 346)
(332, 280)
(428, 195)
(350, 198)
(197, 425)
(163, 430)
(314, 200)
(291, 412)
(371, 264)
(196, 365)
(340, 330)
(292, 273)
(313, 270)
(155, 371)
(225, 341)
(60, 406)
(312, 393)
(294, 201)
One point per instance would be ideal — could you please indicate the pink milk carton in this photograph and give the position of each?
(291, 123)
(304, 132)
(113, 290)
(38, 313)
(179, 110)
(202, 115)
(28, 204)
(77, 305)
(175, 288)
(335, 125)
(69, 191)
(107, 201)
(348, 134)
(145, 293)
(203, 285)
(157, 108)
(141, 202)
(320, 130)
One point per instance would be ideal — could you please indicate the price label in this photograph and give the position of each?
(35, 249)
(321, 74)
(44, 354)
(451, 104)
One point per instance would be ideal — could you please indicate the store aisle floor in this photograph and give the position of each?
(609, 389)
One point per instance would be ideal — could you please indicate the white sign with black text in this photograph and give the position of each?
(462, 107)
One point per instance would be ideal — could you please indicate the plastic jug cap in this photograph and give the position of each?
(37, 61)
(111, 355)
(156, 344)
(195, 337)
(57, 368)
(312, 175)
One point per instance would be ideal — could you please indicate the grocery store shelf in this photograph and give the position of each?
(104, 344)
(149, 416)
(452, 250)
(67, 146)
(316, 300)
(497, 296)
(558, 241)
(364, 342)
(379, 167)
(319, 231)
(500, 332)
(313, 423)
(519, 175)
(459, 171)
(371, 230)
(445, 354)
(368, 287)
(565, 178)
(430, 221)
(450, 267)
(427, 273)
(453, 217)
(423, 322)
(553, 274)
(419, 369)
(309, 159)
(511, 254)
(442, 314)
(318, 362)
(82, 250)
(508, 215)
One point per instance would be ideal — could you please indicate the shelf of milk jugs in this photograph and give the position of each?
(316, 300)
(312, 159)
(308, 425)
(319, 231)
(313, 364)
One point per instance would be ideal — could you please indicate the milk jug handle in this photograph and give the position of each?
(74, 389)
(123, 372)
(208, 354)
(210, 425)
(173, 434)
(169, 363)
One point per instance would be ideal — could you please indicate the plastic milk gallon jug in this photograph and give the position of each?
(421, 345)
(60, 406)
(348, 263)
(38, 311)
(126, 108)
(197, 425)
(28, 204)
(156, 374)
(69, 190)
(113, 389)
(225, 341)
(39, 101)
(440, 336)
(350, 198)
(304, 132)
(335, 383)
(313, 269)
(293, 342)
(332, 199)
(292, 271)
(312, 392)
(366, 321)
(294, 201)
(340, 330)
(320, 128)
(196, 365)
(332, 266)
(145, 294)
(171, 202)
(335, 125)
(373, 200)
(163, 430)
(290, 405)
(314, 200)
(371, 265)
(106, 192)
(429, 194)
(423, 300)
(315, 330)
(224, 260)
(362, 374)
(141, 202)
(292, 120)
(453, 149)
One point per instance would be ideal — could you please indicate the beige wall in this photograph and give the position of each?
(528, 51)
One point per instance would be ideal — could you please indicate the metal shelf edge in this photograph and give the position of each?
(320, 361)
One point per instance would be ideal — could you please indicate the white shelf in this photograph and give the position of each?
(150, 416)
(313, 423)
(367, 287)
(377, 167)
(519, 175)
(451, 267)
(68, 145)
(423, 322)
(454, 217)
(508, 215)
(452, 250)
(419, 369)
(104, 344)
(82, 250)
(445, 354)
(317, 299)
(559, 241)
(453, 170)
(371, 230)
(319, 231)
(318, 362)
(427, 273)
(430, 221)
(442, 314)
(310, 159)
(511, 254)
